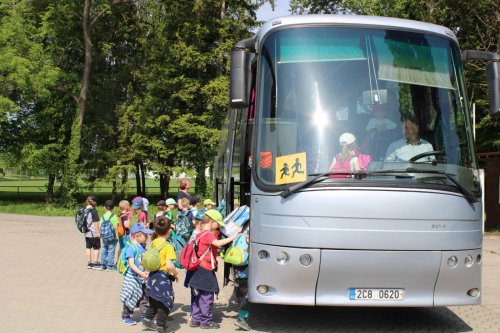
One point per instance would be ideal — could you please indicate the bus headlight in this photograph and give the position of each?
(452, 262)
(478, 259)
(282, 258)
(305, 259)
(469, 261)
(474, 292)
(262, 289)
(263, 254)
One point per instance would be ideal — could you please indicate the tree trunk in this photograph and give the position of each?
(113, 191)
(138, 178)
(49, 196)
(201, 181)
(143, 178)
(124, 184)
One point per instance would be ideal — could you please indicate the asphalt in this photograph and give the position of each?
(45, 287)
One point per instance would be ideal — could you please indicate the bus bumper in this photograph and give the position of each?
(425, 277)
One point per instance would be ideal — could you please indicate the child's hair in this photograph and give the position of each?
(124, 205)
(206, 219)
(183, 183)
(91, 200)
(162, 225)
(185, 202)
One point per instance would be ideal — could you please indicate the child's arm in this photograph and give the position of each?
(172, 269)
(136, 269)
(221, 242)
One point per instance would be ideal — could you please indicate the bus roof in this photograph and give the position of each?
(354, 20)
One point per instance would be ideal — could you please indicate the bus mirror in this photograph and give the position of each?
(493, 75)
(240, 70)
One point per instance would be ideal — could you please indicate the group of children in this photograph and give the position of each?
(152, 292)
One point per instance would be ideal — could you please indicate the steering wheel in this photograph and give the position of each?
(427, 153)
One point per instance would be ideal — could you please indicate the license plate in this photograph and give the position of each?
(356, 294)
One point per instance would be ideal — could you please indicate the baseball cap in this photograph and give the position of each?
(138, 227)
(161, 203)
(137, 203)
(208, 202)
(109, 204)
(170, 201)
(347, 138)
(216, 216)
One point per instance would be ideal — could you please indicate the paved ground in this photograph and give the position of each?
(45, 287)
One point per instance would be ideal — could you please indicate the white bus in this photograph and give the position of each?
(350, 138)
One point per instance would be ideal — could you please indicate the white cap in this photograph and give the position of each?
(347, 138)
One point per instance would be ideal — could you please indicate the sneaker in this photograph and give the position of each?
(90, 265)
(194, 324)
(111, 268)
(103, 267)
(97, 266)
(148, 324)
(242, 323)
(128, 321)
(212, 325)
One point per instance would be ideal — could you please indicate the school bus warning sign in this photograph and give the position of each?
(291, 168)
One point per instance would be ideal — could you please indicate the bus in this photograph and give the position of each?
(350, 138)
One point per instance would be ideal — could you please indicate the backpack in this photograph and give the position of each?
(179, 243)
(108, 233)
(122, 264)
(183, 225)
(81, 220)
(189, 256)
(151, 258)
(237, 253)
(120, 227)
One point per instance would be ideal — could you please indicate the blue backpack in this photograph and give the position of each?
(237, 253)
(108, 233)
(183, 225)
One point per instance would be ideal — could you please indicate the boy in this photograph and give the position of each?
(170, 206)
(108, 224)
(204, 281)
(93, 236)
(159, 285)
(124, 220)
(133, 291)
(241, 289)
(193, 206)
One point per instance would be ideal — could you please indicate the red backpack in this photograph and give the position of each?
(190, 259)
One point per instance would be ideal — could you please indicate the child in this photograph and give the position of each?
(208, 203)
(171, 204)
(93, 236)
(203, 280)
(138, 215)
(159, 285)
(124, 220)
(133, 291)
(241, 290)
(108, 240)
(194, 205)
(162, 206)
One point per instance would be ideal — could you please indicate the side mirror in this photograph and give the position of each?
(240, 73)
(493, 76)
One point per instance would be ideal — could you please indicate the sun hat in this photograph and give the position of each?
(138, 227)
(161, 203)
(137, 203)
(216, 216)
(208, 202)
(347, 138)
(170, 201)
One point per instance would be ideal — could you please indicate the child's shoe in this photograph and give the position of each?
(242, 323)
(111, 268)
(96, 266)
(148, 324)
(128, 321)
(194, 324)
(90, 265)
(212, 325)
(103, 267)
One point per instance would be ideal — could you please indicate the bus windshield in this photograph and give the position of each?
(357, 100)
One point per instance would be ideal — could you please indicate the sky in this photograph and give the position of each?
(281, 9)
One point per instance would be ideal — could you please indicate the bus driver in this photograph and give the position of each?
(411, 145)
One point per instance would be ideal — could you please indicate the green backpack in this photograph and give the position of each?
(122, 264)
(237, 254)
(151, 258)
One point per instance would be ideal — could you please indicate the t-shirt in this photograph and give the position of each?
(92, 217)
(114, 220)
(167, 252)
(134, 251)
(183, 195)
(205, 239)
(402, 150)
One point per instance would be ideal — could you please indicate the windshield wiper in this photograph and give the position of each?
(317, 177)
(468, 194)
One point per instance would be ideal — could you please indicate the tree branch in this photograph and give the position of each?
(103, 12)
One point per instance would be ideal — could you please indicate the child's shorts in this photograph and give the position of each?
(93, 243)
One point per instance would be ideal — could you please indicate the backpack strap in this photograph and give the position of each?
(208, 249)
(159, 248)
